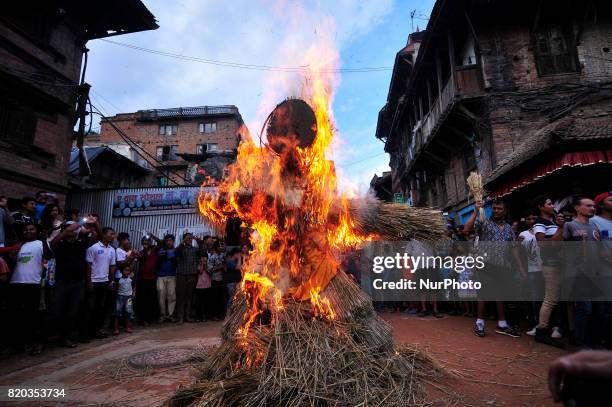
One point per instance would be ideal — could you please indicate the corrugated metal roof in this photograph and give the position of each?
(92, 153)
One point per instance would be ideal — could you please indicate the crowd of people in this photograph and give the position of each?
(63, 276)
(533, 263)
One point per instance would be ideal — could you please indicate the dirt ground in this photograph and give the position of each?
(145, 367)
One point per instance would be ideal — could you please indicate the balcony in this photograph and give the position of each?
(185, 112)
(467, 84)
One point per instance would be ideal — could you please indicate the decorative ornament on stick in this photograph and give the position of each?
(474, 182)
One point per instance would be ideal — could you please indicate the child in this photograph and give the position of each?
(125, 294)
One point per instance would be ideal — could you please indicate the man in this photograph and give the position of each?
(24, 215)
(24, 290)
(41, 201)
(70, 248)
(603, 221)
(548, 229)
(146, 283)
(216, 268)
(233, 274)
(587, 315)
(496, 273)
(101, 266)
(5, 219)
(166, 277)
(534, 264)
(188, 260)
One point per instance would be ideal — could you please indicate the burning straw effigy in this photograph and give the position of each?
(300, 332)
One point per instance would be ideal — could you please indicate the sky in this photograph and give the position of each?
(277, 33)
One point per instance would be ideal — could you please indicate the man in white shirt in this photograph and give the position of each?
(100, 259)
(24, 292)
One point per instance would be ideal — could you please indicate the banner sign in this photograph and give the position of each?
(155, 202)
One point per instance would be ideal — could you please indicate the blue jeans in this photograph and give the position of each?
(123, 306)
(231, 290)
(588, 317)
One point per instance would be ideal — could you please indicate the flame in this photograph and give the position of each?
(285, 213)
(321, 306)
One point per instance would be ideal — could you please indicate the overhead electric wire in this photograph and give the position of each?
(137, 147)
(362, 160)
(303, 68)
(98, 94)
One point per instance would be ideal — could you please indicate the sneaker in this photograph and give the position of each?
(479, 330)
(542, 336)
(423, 314)
(532, 332)
(556, 333)
(101, 335)
(437, 315)
(67, 343)
(507, 331)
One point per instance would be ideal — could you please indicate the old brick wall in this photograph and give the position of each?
(187, 137)
(22, 172)
(509, 68)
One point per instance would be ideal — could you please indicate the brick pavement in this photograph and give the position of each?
(490, 371)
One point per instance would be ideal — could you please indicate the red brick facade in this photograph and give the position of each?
(527, 70)
(41, 51)
(146, 133)
(41, 164)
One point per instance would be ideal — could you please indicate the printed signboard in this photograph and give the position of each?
(155, 202)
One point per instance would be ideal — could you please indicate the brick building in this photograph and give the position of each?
(520, 91)
(184, 145)
(41, 51)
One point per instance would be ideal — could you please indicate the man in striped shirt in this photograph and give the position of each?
(548, 228)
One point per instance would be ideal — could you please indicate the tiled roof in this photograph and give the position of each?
(562, 130)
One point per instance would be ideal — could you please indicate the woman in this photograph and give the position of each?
(51, 220)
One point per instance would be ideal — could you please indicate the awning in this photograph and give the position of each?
(552, 165)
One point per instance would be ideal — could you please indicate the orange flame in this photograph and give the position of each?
(287, 213)
(321, 306)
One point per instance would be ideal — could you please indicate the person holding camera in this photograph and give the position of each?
(5, 219)
(70, 247)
